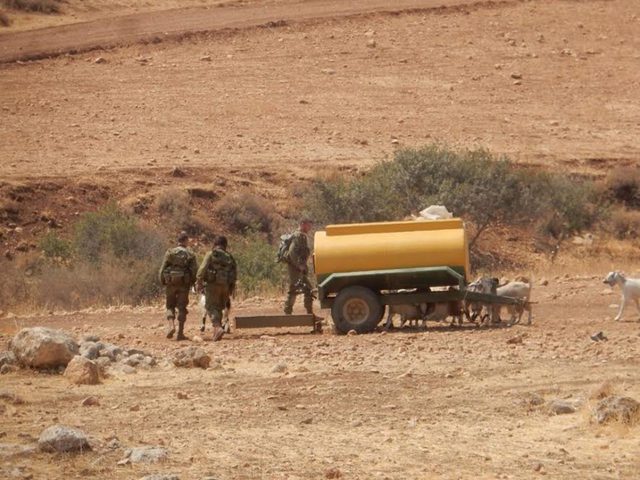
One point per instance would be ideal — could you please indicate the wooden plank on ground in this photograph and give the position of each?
(277, 321)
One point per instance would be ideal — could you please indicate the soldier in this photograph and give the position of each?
(217, 276)
(178, 274)
(296, 258)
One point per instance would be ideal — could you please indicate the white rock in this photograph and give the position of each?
(146, 455)
(191, 357)
(59, 438)
(41, 347)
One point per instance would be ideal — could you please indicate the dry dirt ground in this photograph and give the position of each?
(442, 404)
(551, 83)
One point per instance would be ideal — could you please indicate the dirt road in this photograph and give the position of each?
(155, 26)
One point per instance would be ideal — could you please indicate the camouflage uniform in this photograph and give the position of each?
(178, 277)
(297, 257)
(218, 273)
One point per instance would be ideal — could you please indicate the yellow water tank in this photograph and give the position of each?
(391, 245)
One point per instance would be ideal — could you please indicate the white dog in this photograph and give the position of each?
(630, 290)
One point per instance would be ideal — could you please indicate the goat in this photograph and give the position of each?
(441, 311)
(520, 291)
(630, 290)
(407, 312)
(478, 309)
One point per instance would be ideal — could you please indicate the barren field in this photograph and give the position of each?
(551, 83)
(448, 403)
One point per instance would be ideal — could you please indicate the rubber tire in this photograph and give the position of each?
(366, 325)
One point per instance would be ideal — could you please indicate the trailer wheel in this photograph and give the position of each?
(356, 308)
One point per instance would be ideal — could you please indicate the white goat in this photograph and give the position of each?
(630, 290)
(520, 291)
(407, 312)
(473, 310)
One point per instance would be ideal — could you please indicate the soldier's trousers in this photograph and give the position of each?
(298, 283)
(177, 298)
(216, 296)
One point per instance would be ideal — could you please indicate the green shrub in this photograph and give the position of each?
(53, 246)
(41, 6)
(244, 212)
(111, 232)
(258, 271)
(473, 184)
(623, 185)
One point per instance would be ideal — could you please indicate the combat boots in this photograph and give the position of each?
(171, 329)
(181, 335)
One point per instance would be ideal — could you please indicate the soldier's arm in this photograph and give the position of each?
(203, 268)
(294, 253)
(193, 269)
(164, 265)
(234, 275)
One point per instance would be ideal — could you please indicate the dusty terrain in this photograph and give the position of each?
(550, 83)
(442, 404)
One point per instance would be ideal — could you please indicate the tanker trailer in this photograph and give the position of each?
(361, 268)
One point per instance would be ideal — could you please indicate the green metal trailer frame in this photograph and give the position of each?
(358, 299)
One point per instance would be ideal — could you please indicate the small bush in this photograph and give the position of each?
(5, 21)
(624, 186)
(624, 224)
(111, 232)
(258, 271)
(53, 246)
(244, 212)
(174, 206)
(40, 6)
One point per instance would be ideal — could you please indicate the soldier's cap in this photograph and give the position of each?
(183, 236)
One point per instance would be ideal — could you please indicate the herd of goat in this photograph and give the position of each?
(484, 314)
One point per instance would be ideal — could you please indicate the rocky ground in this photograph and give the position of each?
(447, 403)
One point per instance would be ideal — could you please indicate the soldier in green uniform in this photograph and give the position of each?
(217, 275)
(178, 274)
(296, 257)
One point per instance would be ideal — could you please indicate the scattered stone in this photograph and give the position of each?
(82, 371)
(599, 337)
(90, 350)
(621, 409)
(90, 402)
(516, 76)
(41, 347)
(59, 438)
(144, 455)
(134, 360)
(307, 421)
(91, 338)
(182, 396)
(7, 358)
(533, 400)
(544, 283)
(197, 339)
(4, 369)
(328, 71)
(561, 407)
(537, 467)
(333, 472)
(279, 368)
(205, 58)
(603, 390)
(100, 60)
(190, 357)
(111, 351)
(177, 172)
(102, 362)
(352, 332)
(517, 340)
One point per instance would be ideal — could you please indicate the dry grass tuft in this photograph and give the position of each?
(604, 390)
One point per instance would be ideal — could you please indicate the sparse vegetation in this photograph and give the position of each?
(53, 246)
(623, 184)
(174, 205)
(473, 184)
(257, 268)
(40, 6)
(625, 224)
(244, 212)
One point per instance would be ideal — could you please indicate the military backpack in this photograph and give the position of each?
(221, 268)
(282, 255)
(177, 270)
